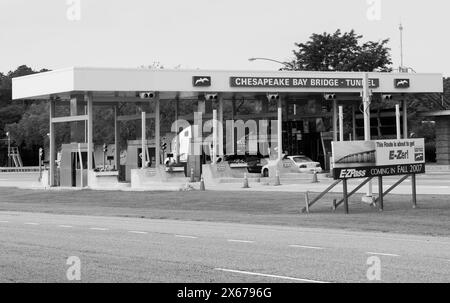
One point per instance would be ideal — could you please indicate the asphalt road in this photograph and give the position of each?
(35, 247)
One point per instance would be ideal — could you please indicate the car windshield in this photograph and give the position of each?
(301, 159)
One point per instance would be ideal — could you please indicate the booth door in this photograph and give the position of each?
(77, 170)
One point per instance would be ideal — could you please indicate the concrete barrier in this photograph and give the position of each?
(212, 173)
(104, 180)
(144, 178)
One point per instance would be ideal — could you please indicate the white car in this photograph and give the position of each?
(305, 164)
(302, 163)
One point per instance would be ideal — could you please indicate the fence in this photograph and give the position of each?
(19, 169)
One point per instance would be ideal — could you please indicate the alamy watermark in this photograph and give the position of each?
(374, 10)
(73, 273)
(251, 137)
(373, 273)
(73, 12)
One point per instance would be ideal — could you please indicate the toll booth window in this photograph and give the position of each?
(84, 160)
(302, 159)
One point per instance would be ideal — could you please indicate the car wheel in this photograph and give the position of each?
(266, 173)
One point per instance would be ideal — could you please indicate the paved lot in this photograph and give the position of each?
(35, 247)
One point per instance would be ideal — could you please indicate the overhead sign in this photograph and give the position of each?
(273, 82)
(402, 83)
(362, 159)
(201, 81)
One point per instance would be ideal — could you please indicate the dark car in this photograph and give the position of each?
(252, 163)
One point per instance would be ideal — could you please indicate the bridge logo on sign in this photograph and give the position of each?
(202, 81)
(402, 83)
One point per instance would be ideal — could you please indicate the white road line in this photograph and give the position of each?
(31, 223)
(4, 221)
(382, 254)
(240, 241)
(65, 226)
(186, 237)
(98, 228)
(306, 247)
(267, 275)
(137, 232)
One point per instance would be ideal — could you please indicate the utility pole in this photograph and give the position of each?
(367, 131)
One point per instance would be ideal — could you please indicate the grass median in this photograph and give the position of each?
(271, 208)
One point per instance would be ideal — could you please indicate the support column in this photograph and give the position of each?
(354, 122)
(201, 106)
(157, 133)
(405, 119)
(233, 117)
(335, 127)
(177, 137)
(280, 130)
(397, 121)
(77, 129)
(220, 134)
(116, 139)
(341, 123)
(90, 137)
(214, 143)
(143, 139)
(52, 150)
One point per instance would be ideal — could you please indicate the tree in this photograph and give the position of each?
(13, 116)
(342, 52)
(32, 129)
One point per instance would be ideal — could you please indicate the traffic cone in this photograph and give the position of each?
(245, 181)
(277, 179)
(202, 184)
(315, 180)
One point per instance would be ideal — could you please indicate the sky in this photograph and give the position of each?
(210, 34)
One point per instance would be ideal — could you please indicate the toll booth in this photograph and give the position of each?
(134, 159)
(73, 165)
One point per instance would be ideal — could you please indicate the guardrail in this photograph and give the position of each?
(19, 169)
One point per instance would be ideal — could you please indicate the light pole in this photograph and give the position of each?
(9, 149)
(401, 47)
(286, 64)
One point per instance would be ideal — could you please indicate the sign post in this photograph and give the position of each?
(345, 190)
(380, 192)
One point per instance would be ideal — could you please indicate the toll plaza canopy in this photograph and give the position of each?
(63, 82)
(86, 87)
